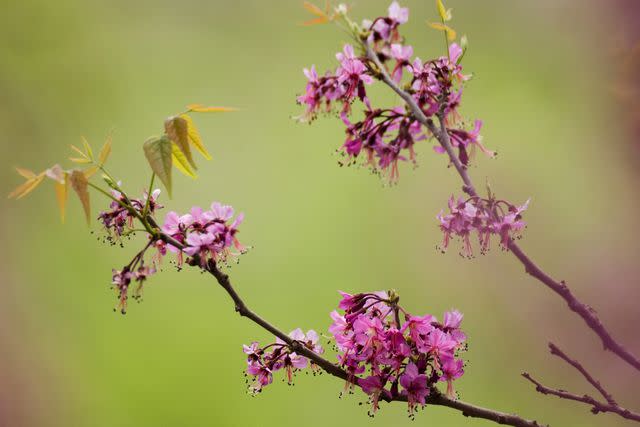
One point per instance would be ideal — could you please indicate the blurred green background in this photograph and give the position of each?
(543, 72)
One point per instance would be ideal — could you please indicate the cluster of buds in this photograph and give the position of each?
(206, 235)
(119, 219)
(388, 135)
(486, 217)
(401, 354)
(262, 362)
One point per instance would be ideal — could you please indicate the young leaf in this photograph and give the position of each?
(194, 137)
(445, 14)
(87, 148)
(26, 187)
(90, 171)
(322, 16)
(79, 151)
(177, 130)
(79, 160)
(451, 33)
(80, 185)
(199, 108)
(26, 173)
(62, 190)
(158, 152)
(180, 162)
(105, 151)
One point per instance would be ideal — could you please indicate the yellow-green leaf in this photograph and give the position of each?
(62, 190)
(194, 137)
(27, 187)
(180, 162)
(445, 14)
(79, 151)
(90, 171)
(26, 173)
(80, 160)
(87, 148)
(80, 185)
(199, 108)
(105, 151)
(177, 130)
(451, 33)
(158, 151)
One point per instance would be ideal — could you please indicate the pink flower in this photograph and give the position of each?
(219, 213)
(398, 14)
(415, 386)
(374, 386)
(439, 344)
(262, 374)
(455, 52)
(451, 369)
(200, 244)
(402, 55)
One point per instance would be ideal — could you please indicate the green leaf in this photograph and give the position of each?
(158, 152)
(87, 148)
(199, 108)
(445, 14)
(105, 151)
(177, 129)
(80, 185)
(180, 162)
(194, 137)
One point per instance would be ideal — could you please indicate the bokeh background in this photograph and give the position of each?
(547, 85)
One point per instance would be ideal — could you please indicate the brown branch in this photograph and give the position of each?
(596, 405)
(595, 383)
(559, 287)
(435, 398)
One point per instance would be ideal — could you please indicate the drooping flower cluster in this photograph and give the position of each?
(400, 354)
(486, 217)
(387, 135)
(121, 282)
(384, 350)
(206, 235)
(262, 362)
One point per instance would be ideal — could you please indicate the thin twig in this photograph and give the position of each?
(595, 383)
(596, 406)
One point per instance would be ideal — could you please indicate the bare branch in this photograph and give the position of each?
(597, 406)
(596, 384)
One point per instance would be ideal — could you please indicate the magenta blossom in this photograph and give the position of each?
(415, 386)
(452, 369)
(485, 217)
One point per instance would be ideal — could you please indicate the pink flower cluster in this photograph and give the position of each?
(401, 354)
(121, 282)
(262, 362)
(388, 135)
(118, 219)
(486, 217)
(207, 235)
